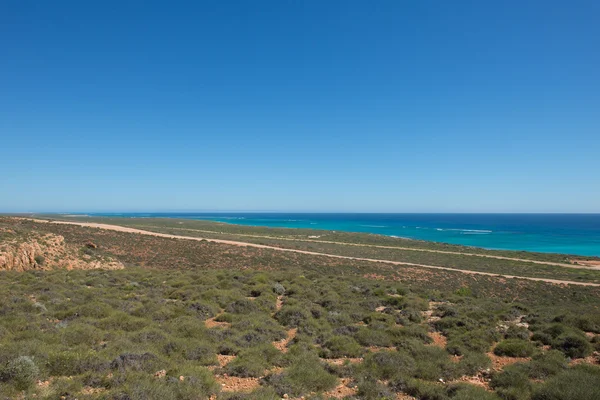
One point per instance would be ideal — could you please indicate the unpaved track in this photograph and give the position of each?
(565, 265)
(119, 228)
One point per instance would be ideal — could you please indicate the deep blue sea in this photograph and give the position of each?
(552, 233)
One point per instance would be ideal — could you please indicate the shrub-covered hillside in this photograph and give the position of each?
(199, 320)
(147, 334)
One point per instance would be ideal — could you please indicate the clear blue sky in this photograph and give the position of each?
(377, 106)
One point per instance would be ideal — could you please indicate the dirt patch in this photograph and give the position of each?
(281, 345)
(439, 340)
(594, 359)
(477, 380)
(88, 390)
(224, 360)
(499, 362)
(235, 384)
(341, 390)
(342, 361)
(375, 349)
(593, 264)
(279, 303)
(211, 323)
(402, 396)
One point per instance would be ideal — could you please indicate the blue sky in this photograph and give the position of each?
(385, 106)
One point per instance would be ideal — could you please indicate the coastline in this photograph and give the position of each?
(124, 229)
(511, 232)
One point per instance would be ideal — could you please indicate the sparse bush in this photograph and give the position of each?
(253, 362)
(574, 346)
(74, 362)
(579, 383)
(279, 289)
(513, 379)
(291, 316)
(471, 363)
(305, 375)
(469, 392)
(387, 364)
(514, 348)
(341, 346)
(22, 372)
(370, 389)
(241, 306)
(517, 332)
(547, 364)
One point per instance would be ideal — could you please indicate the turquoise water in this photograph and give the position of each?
(551, 233)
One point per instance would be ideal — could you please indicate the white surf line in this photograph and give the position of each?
(557, 264)
(119, 228)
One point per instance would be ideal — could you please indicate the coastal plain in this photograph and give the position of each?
(136, 308)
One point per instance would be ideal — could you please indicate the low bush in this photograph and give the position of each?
(470, 392)
(253, 362)
(341, 346)
(291, 316)
(578, 383)
(514, 348)
(74, 362)
(304, 375)
(388, 364)
(471, 363)
(547, 364)
(241, 306)
(517, 332)
(22, 372)
(573, 345)
(370, 389)
(513, 378)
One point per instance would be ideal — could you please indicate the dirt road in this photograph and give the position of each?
(261, 246)
(593, 265)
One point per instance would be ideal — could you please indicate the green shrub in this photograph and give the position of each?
(74, 362)
(189, 327)
(22, 372)
(547, 364)
(517, 332)
(305, 375)
(422, 390)
(241, 306)
(202, 353)
(291, 316)
(370, 389)
(278, 289)
(588, 322)
(80, 334)
(513, 377)
(341, 346)
(471, 363)
(573, 345)
(263, 393)
(224, 317)
(373, 337)
(514, 348)
(387, 364)
(469, 392)
(254, 361)
(121, 321)
(578, 383)
(477, 340)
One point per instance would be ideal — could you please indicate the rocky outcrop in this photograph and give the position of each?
(45, 252)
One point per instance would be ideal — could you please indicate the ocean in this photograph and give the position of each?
(550, 233)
